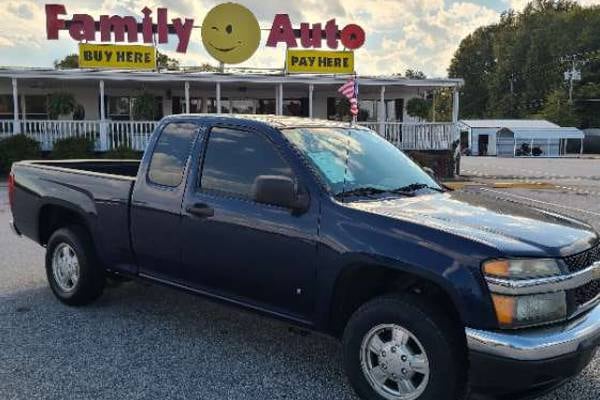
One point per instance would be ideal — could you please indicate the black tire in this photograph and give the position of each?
(90, 284)
(440, 337)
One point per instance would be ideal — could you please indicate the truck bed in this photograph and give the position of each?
(98, 190)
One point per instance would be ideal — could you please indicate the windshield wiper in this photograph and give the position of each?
(413, 187)
(361, 191)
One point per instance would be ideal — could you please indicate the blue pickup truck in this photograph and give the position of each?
(433, 293)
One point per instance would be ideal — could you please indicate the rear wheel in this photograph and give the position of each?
(402, 348)
(73, 272)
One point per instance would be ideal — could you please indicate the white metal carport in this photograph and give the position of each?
(544, 142)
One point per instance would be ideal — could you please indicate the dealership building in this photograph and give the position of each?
(106, 98)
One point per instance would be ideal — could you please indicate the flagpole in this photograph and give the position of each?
(355, 116)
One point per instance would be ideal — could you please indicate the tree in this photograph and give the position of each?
(163, 61)
(70, 61)
(514, 67)
(414, 74)
(558, 110)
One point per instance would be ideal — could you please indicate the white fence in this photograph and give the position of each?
(110, 135)
(416, 136)
(106, 135)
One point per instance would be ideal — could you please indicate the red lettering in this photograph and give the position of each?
(352, 36)
(53, 24)
(82, 27)
(281, 31)
(183, 32)
(117, 25)
(147, 25)
(163, 32)
(310, 38)
(331, 30)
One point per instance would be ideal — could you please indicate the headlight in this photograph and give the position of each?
(523, 311)
(522, 268)
(526, 309)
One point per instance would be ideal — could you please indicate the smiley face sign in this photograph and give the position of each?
(230, 33)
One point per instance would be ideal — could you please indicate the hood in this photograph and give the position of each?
(510, 227)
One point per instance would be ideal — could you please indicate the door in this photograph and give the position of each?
(256, 253)
(156, 202)
(483, 144)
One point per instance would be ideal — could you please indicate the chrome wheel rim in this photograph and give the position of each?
(394, 362)
(65, 267)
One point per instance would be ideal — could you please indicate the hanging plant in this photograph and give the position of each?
(145, 107)
(60, 104)
(418, 107)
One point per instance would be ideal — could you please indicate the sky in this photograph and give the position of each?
(401, 34)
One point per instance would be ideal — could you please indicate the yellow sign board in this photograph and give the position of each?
(320, 62)
(117, 56)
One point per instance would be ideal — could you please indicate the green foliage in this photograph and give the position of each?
(414, 74)
(17, 148)
(73, 148)
(558, 110)
(123, 153)
(145, 108)
(513, 67)
(418, 107)
(61, 103)
(165, 62)
(69, 62)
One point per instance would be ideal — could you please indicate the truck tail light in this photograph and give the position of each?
(11, 189)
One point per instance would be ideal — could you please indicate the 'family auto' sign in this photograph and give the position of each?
(230, 32)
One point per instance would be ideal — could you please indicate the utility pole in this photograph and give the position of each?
(573, 75)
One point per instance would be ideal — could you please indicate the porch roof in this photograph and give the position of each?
(271, 77)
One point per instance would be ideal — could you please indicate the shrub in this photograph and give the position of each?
(17, 148)
(123, 153)
(73, 147)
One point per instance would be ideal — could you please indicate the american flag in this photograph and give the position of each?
(350, 90)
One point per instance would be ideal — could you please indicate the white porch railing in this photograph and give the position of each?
(418, 135)
(136, 134)
(106, 136)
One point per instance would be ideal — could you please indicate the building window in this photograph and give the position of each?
(118, 108)
(212, 105)
(295, 107)
(36, 107)
(243, 106)
(6, 106)
(179, 105)
(266, 106)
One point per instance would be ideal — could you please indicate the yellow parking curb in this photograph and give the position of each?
(457, 185)
(522, 185)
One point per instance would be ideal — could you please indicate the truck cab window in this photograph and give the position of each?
(171, 153)
(235, 158)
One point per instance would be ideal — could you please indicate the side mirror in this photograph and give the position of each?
(279, 190)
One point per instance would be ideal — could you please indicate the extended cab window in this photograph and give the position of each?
(235, 158)
(171, 153)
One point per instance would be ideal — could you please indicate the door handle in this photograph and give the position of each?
(201, 210)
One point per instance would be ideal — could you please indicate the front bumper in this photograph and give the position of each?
(531, 361)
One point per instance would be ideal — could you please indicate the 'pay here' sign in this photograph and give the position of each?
(320, 62)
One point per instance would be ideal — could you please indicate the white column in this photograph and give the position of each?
(455, 105)
(381, 114)
(103, 125)
(187, 97)
(311, 89)
(16, 124)
(280, 95)
(276, 100)
(218, 97)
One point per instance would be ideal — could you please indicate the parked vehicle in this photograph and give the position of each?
(432, 292)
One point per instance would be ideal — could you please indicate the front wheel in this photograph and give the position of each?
(72, 269)
(402, 348)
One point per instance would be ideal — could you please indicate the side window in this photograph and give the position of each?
(234, 158)
(171, 153)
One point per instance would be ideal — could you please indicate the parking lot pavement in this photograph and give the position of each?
(148, 342)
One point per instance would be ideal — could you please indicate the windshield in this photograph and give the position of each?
(351, 160)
